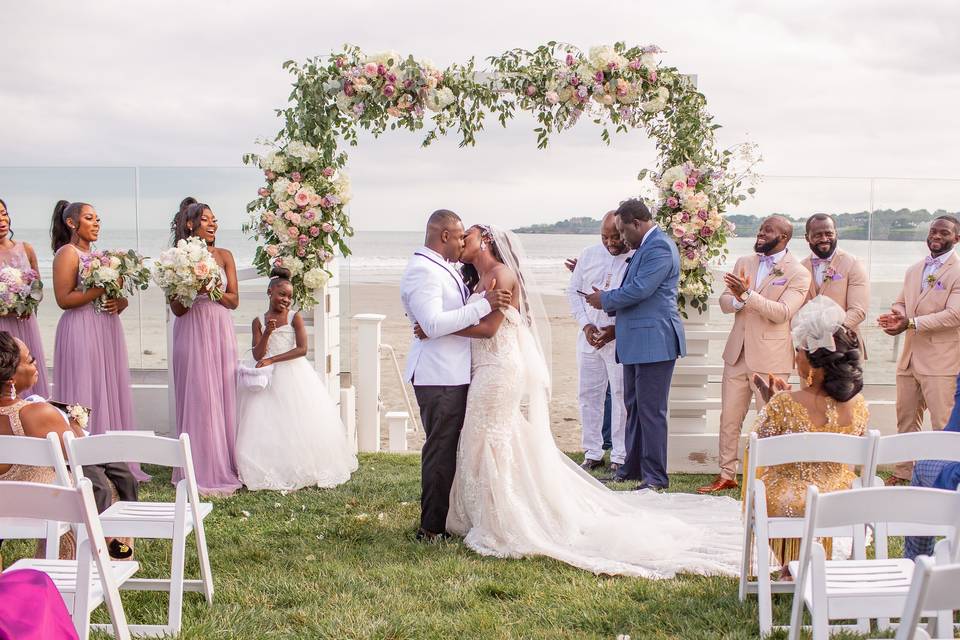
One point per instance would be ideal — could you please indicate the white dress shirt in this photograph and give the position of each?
(434, 296)
(595, 268)
(763, 270)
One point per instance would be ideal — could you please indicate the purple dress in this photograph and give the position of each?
(26, 329)
(205, 380)
(31, 608)
(90, 368)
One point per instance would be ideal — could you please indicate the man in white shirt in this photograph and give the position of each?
(434, 296)
(601, 266)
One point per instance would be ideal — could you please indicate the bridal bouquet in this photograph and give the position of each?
(120, 273)
(187, 271)
(20, 291)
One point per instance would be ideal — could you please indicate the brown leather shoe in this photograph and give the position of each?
(720, 484)
(894, 481)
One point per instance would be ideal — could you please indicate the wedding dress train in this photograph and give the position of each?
(515, 494)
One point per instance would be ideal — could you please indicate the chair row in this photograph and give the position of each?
(82, 590)
(867, 453)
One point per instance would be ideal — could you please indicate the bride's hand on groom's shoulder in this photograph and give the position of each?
(498, 298)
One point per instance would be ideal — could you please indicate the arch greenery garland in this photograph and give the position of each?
(300, 217)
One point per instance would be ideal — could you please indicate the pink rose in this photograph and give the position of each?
(348, 90)
(327, 227)
(263, 192)
(598, 77)
(327, 172)
(672, 202)
(574, 81)
(706, 231)
(302, 199)
(553, 97)
(678, 231)
(201, 270)
(295, 218)
(293, 232)
(325, 203)
(391, 78)
(652, 77)
(531, 90)
(703, 215)
(679, 185)
(691, 255)
(370, 69)
(288, 216)
(340, 62)
(301, 252)
(309, 214)
(292, 188)
(571, 60)
(389, 90)
(269, 218)
(393, 112)
(272, 250)
(269, 174)
(296, 177)
(303, 240)
(315, 200)
(635, 64)
(692, 181)
(685, 217)
(314, 231)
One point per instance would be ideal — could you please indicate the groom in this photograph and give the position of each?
(434, 296)
(650, 338)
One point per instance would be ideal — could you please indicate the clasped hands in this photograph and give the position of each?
(599, 338)
(893, 323)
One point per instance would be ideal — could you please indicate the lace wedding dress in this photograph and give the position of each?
(515, 494)
(290, 434)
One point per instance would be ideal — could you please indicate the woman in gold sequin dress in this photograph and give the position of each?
(828, 401)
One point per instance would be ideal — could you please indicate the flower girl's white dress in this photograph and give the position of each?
(290, 434)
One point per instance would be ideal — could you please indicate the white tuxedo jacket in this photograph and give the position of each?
(434, 296)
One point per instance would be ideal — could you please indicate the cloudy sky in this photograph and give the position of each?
(839, 90)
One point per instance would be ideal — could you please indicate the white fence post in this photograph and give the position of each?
(397, 422)
(368, 380)
(348, 415)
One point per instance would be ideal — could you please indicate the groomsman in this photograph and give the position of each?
(764, 291)
(650, 338)
(928, 311)
(836, 274)
(602, 266)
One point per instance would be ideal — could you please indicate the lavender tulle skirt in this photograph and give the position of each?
(205, 381)
(28, 330)
(90, 368)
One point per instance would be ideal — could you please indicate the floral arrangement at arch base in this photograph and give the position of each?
(299, 216)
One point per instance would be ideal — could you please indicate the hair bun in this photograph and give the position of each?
(280, 272)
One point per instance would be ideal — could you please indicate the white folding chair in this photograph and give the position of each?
(759, 528)
(909, 447)
(163, 520)
(843, 589)
(36, 452)
(935, 587)
(84, 585)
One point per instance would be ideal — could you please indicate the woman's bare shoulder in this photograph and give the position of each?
(40, 417)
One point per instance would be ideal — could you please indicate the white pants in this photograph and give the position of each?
(596, 371)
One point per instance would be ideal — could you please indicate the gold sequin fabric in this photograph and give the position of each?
(787, 483)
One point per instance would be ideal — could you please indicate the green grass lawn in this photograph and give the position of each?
(343, 563)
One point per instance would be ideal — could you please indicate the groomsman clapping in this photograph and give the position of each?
(928, 312)
(764, 291)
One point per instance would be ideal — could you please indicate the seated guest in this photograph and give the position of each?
(828, 362)
(18, 371)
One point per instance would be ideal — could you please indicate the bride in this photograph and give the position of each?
(515, 494)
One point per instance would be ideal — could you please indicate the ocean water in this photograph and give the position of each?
(380, 256)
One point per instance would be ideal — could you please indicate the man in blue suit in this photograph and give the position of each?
(650, 338)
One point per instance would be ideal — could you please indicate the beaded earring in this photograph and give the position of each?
(810, 378)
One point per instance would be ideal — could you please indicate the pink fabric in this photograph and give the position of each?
(31, 608)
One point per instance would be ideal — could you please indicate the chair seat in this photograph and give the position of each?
(860, 587)
(64, 576)
(146, 519)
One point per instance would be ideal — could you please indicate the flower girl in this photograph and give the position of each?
(290, 434)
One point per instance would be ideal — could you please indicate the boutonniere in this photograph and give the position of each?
(831, 274)
(933, 282)
(777, 272)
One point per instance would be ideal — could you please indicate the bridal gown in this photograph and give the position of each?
(516, 494)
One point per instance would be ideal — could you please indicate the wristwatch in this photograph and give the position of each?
(912, 324)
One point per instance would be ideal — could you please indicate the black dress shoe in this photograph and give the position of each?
(429, 536)
(590, 465)
(119, 550)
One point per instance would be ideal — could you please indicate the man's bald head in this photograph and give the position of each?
(610, 235)
(774, 235)
(445, 234)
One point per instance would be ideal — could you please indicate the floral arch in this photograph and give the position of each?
(300, 219)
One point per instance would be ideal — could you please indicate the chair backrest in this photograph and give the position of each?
(36, 452)
(874, 505)
(125, 447)
(813, 447)
(920, 445)
(934, 588)
(41, 502)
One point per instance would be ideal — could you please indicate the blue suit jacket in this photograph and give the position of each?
(649, 328)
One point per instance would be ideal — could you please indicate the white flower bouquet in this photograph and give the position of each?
(20, 291)
(119, 273)
(187, 271)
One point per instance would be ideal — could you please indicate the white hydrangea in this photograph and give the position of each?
(299, 150)
(293, 264)
(274, 161)
(341, 184)
(344, 103)
(315, 278)
(673, 174)
(649, 61)
(384, 58)
(439, 99)
(601, 57)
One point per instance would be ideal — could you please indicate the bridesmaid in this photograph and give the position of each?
(205, 362)
(90, 365)
(21, 255)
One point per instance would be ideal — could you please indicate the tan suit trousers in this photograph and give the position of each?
(917, 393)
(736, 391)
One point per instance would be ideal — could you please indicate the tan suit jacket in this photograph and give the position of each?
(849, 288)
(933, 349)
(761, 330)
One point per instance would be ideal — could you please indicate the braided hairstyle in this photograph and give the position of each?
(842, 368)
(9, 357)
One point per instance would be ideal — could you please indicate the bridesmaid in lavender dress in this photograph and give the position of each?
(21, 255)
(90, 365)
(205, 363)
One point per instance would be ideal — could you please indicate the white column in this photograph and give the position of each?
(397, 422)
(368, 380)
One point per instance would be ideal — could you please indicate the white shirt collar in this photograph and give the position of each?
(777, 256)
